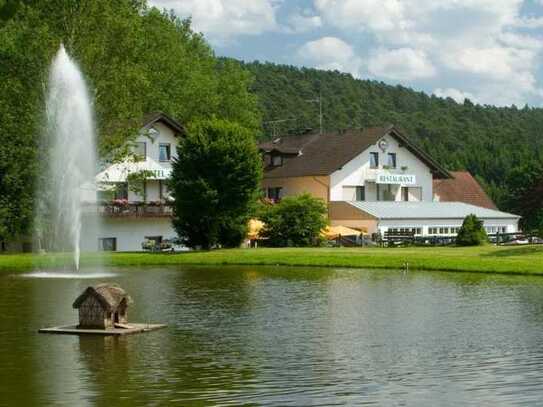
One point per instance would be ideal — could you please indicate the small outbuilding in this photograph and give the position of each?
(102, 306)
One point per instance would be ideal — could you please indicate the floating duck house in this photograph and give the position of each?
(102, 307)
(103, 311)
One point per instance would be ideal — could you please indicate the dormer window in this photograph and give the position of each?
(374, 160)
(277, 160)
(391, 160)
(164, 153)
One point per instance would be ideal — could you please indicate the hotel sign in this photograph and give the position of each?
(160, 174)
(401, 179)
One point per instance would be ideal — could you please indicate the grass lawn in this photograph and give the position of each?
(487, 259)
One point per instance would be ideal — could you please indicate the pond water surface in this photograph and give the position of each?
(280, 336)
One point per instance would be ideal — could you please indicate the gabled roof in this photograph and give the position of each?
(428, 210)
(109, 295)
(462, 187)
(318, 154)
(154, 117)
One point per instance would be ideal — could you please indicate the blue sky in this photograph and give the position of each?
(487, 50)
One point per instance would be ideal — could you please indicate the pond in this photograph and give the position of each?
(280, 336)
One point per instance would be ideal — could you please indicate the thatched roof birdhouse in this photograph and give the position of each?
(102, 306)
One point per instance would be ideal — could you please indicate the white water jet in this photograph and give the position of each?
(70, 167)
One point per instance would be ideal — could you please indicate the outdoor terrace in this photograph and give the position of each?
(118, 209)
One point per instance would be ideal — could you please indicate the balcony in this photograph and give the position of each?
(120, 209)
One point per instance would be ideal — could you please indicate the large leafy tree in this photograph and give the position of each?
(136, 59)
(215, 182)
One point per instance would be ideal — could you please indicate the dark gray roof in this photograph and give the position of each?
(151, 118)
(315, 154)
(428, 210)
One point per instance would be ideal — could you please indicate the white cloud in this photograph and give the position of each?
(402, 63)
(476, 40)
(300, 23)
(454, 94)
(221, 20)
(376, 15)
(488, 49)
(331, 53)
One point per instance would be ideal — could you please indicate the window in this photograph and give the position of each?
(384, 192)
(277, 160)
(140, 150)
(121, 190)
(274, 193)
(405, 194)
(360, 193)
(107, 244)
(164, 153)
(164, 193)
(374, 160)
(156, 239)
(391, 160)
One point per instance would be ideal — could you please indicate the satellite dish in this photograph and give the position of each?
(383, 145)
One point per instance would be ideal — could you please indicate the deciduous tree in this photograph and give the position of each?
(215, 183)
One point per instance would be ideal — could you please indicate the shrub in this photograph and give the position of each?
(294, 221)
(472, 232)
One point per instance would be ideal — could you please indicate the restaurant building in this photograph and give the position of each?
(377, 180)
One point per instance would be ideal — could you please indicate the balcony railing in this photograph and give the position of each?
(135, 210)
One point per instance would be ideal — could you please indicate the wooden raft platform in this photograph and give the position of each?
(132, 328)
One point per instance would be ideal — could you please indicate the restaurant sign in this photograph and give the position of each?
(401, 179)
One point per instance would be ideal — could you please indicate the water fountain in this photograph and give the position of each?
(67, 178)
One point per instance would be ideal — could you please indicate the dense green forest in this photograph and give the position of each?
(136, 59)
(491, 142)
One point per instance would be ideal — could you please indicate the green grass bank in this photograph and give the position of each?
(487, 259)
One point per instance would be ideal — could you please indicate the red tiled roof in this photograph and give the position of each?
(463, 187)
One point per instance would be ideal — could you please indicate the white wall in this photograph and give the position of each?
(165, 135)
(358, 172)
(130, 233)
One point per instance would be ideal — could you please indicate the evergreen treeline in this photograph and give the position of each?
(137, 59)
(490, 142)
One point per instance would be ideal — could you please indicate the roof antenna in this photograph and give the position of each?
(319, 101)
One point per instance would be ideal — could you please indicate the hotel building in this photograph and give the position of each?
(374, 180)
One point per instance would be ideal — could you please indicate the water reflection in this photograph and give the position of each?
(279, 336)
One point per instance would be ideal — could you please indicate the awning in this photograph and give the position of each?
(255, 226)
(333, 232)
(120, 171)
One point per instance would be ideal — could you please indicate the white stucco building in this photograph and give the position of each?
(376, 180)
(373, 180)
(129, 215)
